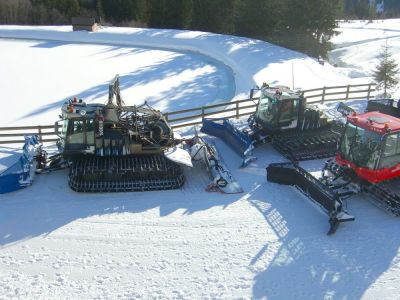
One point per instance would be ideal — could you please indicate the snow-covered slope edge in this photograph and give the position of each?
(359, 43)
(252, 61)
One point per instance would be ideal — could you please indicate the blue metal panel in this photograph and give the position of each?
(224, 129)
(20, 174)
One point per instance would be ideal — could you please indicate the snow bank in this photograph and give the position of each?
(359, 43)
(252, 61)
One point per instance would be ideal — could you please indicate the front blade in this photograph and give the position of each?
(179, 156)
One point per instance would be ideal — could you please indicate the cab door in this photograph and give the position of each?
(75, 139)
(288, 113)
(79, 135)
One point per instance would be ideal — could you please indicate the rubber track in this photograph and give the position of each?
(124, 174)
(384, 195)
(384, 198)
(319, 143)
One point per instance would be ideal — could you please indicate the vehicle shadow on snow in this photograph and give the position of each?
(49, 204)
(311, 265)
(8, 156)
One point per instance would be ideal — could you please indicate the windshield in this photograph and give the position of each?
(360, 146)
(267, 109)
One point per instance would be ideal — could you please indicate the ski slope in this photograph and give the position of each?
(358, 44)
(267, 243)
(170, 69)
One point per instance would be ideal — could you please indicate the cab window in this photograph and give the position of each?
(391, 151)
(391, 145)
(77, 127)
(286, 111)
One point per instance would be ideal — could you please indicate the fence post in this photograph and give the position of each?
(369, 91)
(166, 116)
(40, 133)
(323, 95)
(202, 112)
(237, 109)
(347, 92)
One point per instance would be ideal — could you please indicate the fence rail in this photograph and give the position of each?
(193, 116)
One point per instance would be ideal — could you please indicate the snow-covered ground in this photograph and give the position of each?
(171, 69)
(268, 242)
(359, 43)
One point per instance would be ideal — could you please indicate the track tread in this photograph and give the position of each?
(319, 143)
(94, 174)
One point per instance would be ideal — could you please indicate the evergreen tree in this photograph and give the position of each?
(71, 8)
(214, 15)
(15, 11)
(156, 13)
(99, 8)
(386, 71)
(259, 18)
(318, 17)
(178, 14)
(119, 10)
(359, 9)
(142, 11)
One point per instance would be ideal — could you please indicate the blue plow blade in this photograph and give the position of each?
(238, 140)
(21, 173)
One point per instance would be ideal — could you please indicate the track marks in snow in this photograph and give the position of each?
(123, 254)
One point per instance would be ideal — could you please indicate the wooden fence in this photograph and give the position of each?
(193, 116)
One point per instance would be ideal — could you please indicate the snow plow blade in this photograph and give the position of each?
(22, 172)
(205, 151)
(240, 141)
(330, 202)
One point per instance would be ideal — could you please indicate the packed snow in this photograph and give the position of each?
(170, 69)
(358, 44)
(268, 242)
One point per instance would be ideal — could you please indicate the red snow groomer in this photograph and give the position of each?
(367, 161)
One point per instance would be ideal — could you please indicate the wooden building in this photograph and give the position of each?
(85, 23)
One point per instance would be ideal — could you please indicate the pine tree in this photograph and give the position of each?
(156, 13)
(119, 10)
(142, 12)
(359, 9)
(99, 8)
(72, 8)
(214, 15)
(386, 71)
(259, 18)
(178, 13)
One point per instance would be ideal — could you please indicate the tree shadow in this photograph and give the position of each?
(48, 44)
(234, 51)
(204, 87)
(365, 41)
(374, 28)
